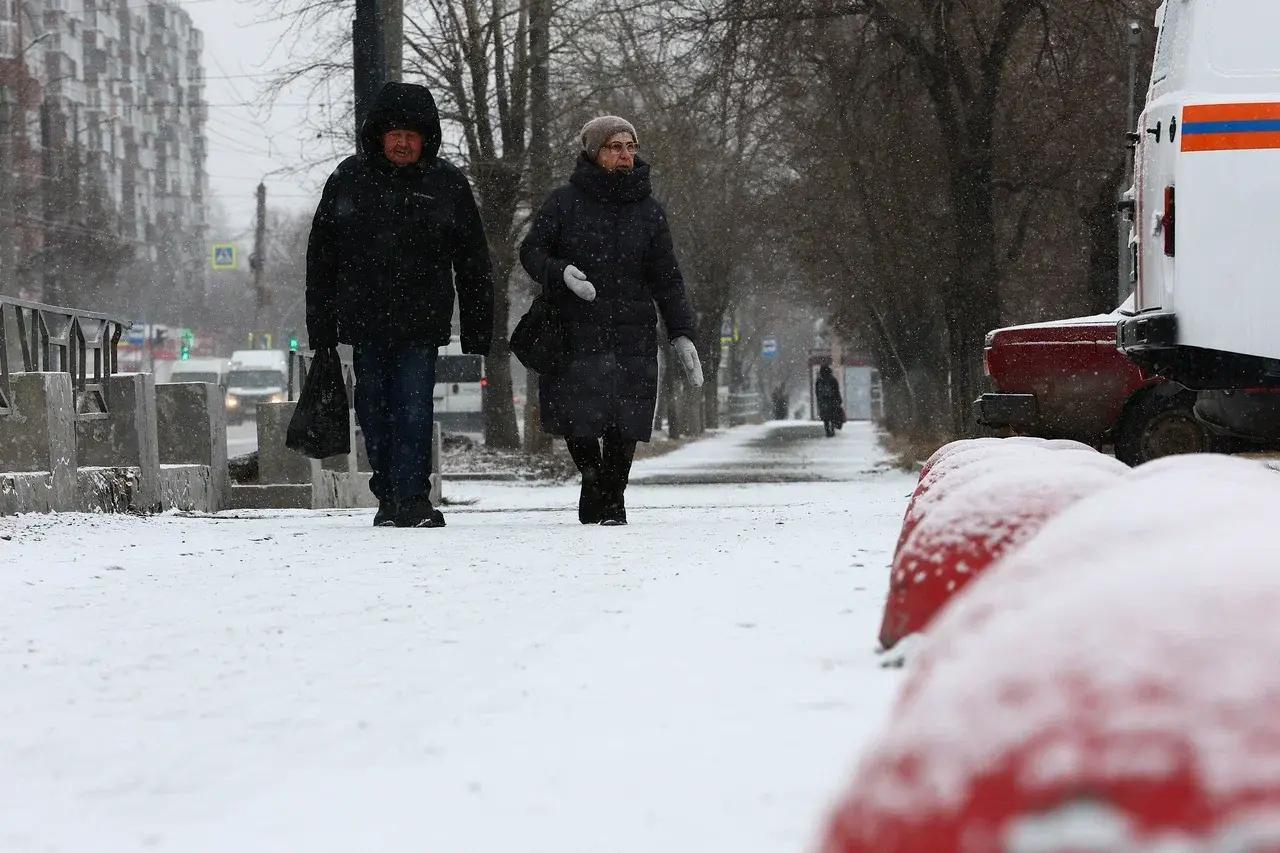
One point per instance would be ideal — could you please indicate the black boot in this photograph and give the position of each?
(591, 500)
(386, 515)
(418, 512)
(614, 511)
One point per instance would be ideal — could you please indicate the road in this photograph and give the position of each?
(242, 438)
(703, 679)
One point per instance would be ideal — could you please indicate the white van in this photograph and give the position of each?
(459, 390)
(1207, 217)
(254, 377)
(211, 370)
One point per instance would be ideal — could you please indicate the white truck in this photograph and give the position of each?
(1207, 199)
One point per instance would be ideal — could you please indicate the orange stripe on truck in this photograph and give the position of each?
(1230, 112)
(1230, 141)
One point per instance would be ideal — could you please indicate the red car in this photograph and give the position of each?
(1068, 379)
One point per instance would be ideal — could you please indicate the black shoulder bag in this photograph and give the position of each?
(540, 339)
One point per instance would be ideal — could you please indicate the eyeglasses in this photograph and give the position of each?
(619, 147)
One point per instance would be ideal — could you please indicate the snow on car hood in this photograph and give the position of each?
(1125, 310)
(1121, 596)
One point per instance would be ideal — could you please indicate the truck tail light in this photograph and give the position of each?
(1170, 223)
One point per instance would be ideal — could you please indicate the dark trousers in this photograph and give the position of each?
(614, 463)
(394, 403)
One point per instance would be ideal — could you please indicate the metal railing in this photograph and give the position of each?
(61, 340)
(300, 365)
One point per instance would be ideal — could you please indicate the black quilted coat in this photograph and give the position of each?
(610, 227)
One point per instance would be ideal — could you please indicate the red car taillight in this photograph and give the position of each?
(1170, 230)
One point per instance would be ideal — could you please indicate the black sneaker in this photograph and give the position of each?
(591, 500)
(418, 512)
(386, 514)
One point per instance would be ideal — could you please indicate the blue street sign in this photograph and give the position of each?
(769, 348)
(224, 256)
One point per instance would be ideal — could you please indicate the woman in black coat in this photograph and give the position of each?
(830, 404)
(601, 248)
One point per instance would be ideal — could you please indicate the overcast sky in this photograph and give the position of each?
(246, 142)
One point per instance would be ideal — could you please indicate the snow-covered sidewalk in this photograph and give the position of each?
(701, 680)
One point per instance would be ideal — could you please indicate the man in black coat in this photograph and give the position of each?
(602, 250)
(395, 235)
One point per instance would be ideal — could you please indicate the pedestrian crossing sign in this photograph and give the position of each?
(224, 256)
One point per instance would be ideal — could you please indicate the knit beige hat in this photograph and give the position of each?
(598, 131)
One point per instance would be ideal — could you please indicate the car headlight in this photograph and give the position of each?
(233, 403)
(277, 398)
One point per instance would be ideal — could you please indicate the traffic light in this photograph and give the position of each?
(293, 342)
(187, 338)
(185, 354)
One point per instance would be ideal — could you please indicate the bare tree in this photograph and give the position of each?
(970, 62)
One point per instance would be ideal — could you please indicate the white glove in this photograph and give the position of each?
(576, 280)
(689, 360)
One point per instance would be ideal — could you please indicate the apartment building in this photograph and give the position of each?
(113, 89)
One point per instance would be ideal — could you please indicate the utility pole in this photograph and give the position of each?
(393, 37)
(8, 215)
(369, 54)
(52, 291)
(258, 261)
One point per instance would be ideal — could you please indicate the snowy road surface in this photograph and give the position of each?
(242, 438)
(702, 680)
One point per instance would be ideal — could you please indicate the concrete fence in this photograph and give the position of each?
(75, 435)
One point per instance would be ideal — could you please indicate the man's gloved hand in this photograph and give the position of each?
(576, 280)
(689, 360)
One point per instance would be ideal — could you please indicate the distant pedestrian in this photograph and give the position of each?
(830, 404)
(602, 251)
(396, 232)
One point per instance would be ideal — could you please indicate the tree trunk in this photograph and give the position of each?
(499, 187)
(709, 323)
(540, 11)
(1104, 246)
(974, 304)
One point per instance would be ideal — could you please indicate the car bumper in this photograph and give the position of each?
(1152, 340)
(1006, 410)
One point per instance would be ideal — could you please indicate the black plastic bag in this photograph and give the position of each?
(321, 425)
(539, 339)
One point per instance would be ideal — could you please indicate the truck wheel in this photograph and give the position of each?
(1155, 425)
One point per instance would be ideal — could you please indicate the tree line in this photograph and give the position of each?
(917, 171)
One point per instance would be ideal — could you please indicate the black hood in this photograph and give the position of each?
(401, 106)
(618, 187)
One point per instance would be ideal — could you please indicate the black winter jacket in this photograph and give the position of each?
(610, 227)
(389, 244)
(827, 390)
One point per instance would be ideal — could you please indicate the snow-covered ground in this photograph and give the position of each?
(702, 680)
